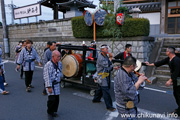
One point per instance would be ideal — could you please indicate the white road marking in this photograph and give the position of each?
(83, 95)
(39, 67)
(6, 61)
(152, 89)
(111, 115)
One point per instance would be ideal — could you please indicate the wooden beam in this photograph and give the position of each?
(55, 9)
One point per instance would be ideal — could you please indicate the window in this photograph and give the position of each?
(171, 4)
(171, 25)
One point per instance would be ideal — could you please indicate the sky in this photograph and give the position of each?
(46, 13)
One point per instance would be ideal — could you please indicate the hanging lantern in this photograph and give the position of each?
(120, 19)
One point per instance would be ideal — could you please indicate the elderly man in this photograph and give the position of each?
(174, 64)
(177, 52)
(104, 66)
(48, 56)
(52, 74)
(126, 85)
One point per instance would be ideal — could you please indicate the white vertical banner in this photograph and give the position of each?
(27, 11)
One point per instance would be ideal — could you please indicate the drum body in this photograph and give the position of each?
(72, 65)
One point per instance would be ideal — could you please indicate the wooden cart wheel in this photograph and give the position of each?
(92, 92)
(62, 84)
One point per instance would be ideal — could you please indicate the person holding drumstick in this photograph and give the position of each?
(126, 86)
(104, 67)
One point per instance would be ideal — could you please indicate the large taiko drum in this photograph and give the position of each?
(72, 65)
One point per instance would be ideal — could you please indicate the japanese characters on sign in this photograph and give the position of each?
(175, 11)
(27, 11)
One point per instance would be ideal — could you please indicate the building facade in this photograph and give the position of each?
(164, 15)
(69, 8)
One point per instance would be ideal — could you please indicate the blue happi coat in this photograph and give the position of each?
(27, 59)
(47, 56)
(104, 65)
(124, 87)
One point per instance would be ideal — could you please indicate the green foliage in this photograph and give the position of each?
(135, 27)
(131, 27)
(122, 10)
(0, 23)
(111, 28)
(109, 7)
(81, 30)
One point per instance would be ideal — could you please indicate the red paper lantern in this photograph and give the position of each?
(120, 19)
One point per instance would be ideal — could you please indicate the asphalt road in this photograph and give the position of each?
(75, 101)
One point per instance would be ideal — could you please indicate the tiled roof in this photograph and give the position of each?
(64, 5)
(145, 7)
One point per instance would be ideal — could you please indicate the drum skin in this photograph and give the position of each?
(72, 65)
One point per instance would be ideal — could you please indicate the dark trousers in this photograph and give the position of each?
(44, 90)
(52, 104)
(28, 78)
(2, 83)
(21, 74)
(105, 93)
(3, 77)
(176, 91)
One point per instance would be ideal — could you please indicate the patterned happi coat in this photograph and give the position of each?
(27, 59)
(52, 75)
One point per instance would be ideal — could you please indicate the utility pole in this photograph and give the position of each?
(36, 18)
(11, 7)
(20, 20)
(116, 4)
(12, 12)
(5, 35)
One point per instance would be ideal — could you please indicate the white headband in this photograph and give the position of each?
(105, 46)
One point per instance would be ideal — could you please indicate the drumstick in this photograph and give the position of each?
(63, 57)
(140, 75)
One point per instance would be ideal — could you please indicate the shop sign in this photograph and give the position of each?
(27, 11)
(175, 11)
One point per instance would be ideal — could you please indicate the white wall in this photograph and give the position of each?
(154, 18)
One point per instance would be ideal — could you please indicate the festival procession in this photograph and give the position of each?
(90, 60)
